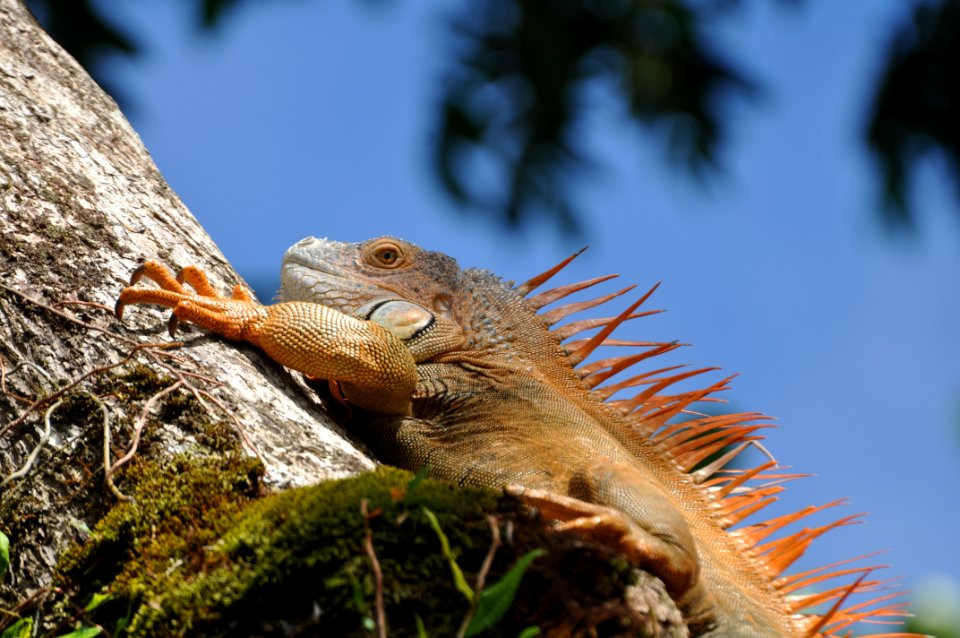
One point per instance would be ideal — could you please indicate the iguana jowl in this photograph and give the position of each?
(459, 371)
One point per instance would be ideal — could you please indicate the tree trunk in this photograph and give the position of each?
(81, 206)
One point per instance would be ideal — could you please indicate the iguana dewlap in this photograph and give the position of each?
(457, 370)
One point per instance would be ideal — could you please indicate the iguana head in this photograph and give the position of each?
(426, 300)
(408, 290)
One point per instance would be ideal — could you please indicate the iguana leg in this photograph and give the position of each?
(375, 369)
(613, 529)
(674, 562)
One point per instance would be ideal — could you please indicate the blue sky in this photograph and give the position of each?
(313, 118)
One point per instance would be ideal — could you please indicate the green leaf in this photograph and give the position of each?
(23, 628)
(97, 600)
(421, 630)
(458, 580)
(4, 555)
(417, 480)
(83, 632)
(122, 623)
(496, 599)
(357, 589)
(529, 632)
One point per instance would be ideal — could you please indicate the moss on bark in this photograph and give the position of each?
(202, 551)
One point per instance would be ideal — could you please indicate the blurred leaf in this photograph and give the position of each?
(96, 600)
(83, 632)
(421, 630)
(916, 105)
(515, 95)
(4, 554)
(521, 73)
(416, 481)
(936, 607)
(80, 29)
(23, 628)
(212, 10)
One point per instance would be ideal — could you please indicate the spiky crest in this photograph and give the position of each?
(575, 327)
(555, 294)
(558, 314)
(594, 376)
(576, 356)
(535, 282)
(735, 494)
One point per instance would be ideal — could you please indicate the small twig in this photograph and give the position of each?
(154, 350)
(29, 364)
(45, 436)
(65, 316)
(82, 613)
(23, 364)
(36, 450)
(158, 350)
(55, 395)
(89, 304)
(236, 423)
(18, 611)
(137, 347)
(377, 572)
(137, 429)
(200, 394)
(494, 524)
(106, 451)
(180, 373)
(481, 581)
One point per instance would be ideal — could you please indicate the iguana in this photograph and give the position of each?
(469, 375)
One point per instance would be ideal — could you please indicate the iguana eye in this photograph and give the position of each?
(385, 256)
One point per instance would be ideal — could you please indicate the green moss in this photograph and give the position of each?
(81, 474)
(136, 384)
(202, 553)
(160, 521)
(195, 561)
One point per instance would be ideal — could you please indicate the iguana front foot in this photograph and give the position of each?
(374, 367)
(614, 529)
(227, 316)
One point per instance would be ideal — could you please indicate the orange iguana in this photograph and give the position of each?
(458, 370)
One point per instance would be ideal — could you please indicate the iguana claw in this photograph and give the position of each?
(172, 325)
(137, 274)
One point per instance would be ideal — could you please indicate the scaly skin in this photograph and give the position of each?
(456, 370)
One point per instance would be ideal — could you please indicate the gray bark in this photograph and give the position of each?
(81, 206)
